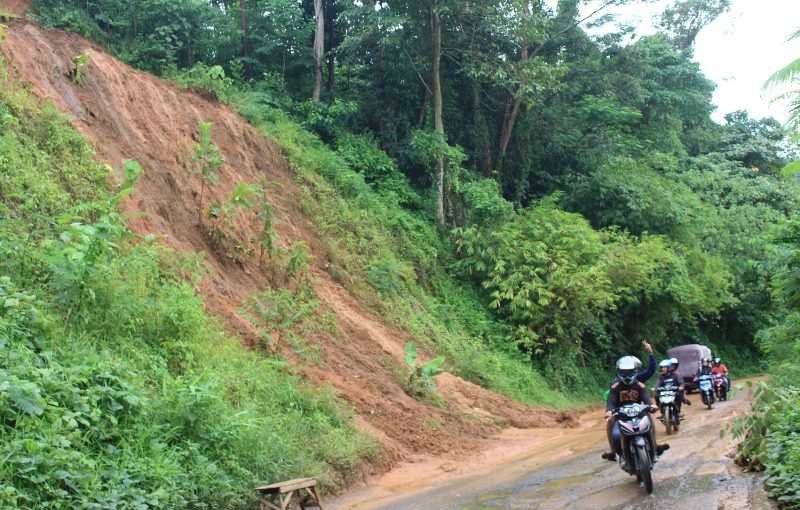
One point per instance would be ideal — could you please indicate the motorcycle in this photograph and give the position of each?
(706, 389)
(667, 400)
(638, 449)
(720, 387)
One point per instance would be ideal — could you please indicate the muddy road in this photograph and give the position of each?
(555, 469)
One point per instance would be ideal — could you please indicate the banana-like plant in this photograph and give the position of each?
(421, 377)
(784, 83)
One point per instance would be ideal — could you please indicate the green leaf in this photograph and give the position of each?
(411, 354)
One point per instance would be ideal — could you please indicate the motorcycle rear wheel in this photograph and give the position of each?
(644, 468)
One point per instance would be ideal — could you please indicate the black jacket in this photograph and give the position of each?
(621, 393)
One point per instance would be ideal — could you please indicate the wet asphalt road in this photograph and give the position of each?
(567, 472)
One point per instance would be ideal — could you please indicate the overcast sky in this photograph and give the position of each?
(739, 51)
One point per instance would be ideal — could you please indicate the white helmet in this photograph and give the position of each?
(632, 359)
(674, 361)
(626, 369)
(665, 363)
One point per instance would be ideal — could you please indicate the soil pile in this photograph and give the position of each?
(15, 7)
(127, 114)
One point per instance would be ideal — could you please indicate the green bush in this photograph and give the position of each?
(116, 389)
(769, 435)
(362, 154)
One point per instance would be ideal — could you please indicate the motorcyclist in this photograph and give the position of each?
(668, 374)
(705, 368)
(625, 390)
(684, 399)
(640, 376)
(720, 368)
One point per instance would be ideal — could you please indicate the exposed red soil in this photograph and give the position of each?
(127, 114)
(16, 7)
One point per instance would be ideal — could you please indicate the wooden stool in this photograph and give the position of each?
(278, 496)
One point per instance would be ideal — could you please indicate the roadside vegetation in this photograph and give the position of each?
(770, 439)
(116, 389)
(531, 208)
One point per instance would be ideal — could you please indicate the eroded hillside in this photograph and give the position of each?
(127, 114)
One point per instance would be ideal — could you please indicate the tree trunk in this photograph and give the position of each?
(438, 124)
(512, 109)
(423, 105)
(331, 12)
(245, 46)
(319, 48)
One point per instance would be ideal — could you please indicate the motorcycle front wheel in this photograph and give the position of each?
(644, 468)
(668, 419)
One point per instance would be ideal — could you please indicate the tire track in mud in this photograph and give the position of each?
(565, 471)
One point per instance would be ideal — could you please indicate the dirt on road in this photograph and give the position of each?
(554, 469)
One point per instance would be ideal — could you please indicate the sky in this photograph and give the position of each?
(739, 51)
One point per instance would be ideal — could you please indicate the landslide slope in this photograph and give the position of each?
(127, 114)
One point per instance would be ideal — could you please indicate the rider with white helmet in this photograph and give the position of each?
(668, 374)
(627, 389)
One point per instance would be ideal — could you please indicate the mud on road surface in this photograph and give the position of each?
(563, 469)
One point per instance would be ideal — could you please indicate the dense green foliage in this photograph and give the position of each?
(116, 389)
(589, 199)
(541, 122)
(769, 435)
(770, 439)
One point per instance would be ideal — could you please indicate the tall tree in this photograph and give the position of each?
(686, 18)
(435, 34)
(330, 21)
(532, 77)
(319, 48)
(245, 45)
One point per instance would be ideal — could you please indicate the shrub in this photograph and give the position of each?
(287, 316)
(116, 389)
(77, 72)
(420, 378)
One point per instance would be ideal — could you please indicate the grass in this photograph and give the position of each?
(396, 261)
(116, 389)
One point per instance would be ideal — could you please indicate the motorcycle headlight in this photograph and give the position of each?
(631, 412)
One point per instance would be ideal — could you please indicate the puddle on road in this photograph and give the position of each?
(494, 500)
(565, 483)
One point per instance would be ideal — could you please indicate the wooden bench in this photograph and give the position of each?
(278, 496)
